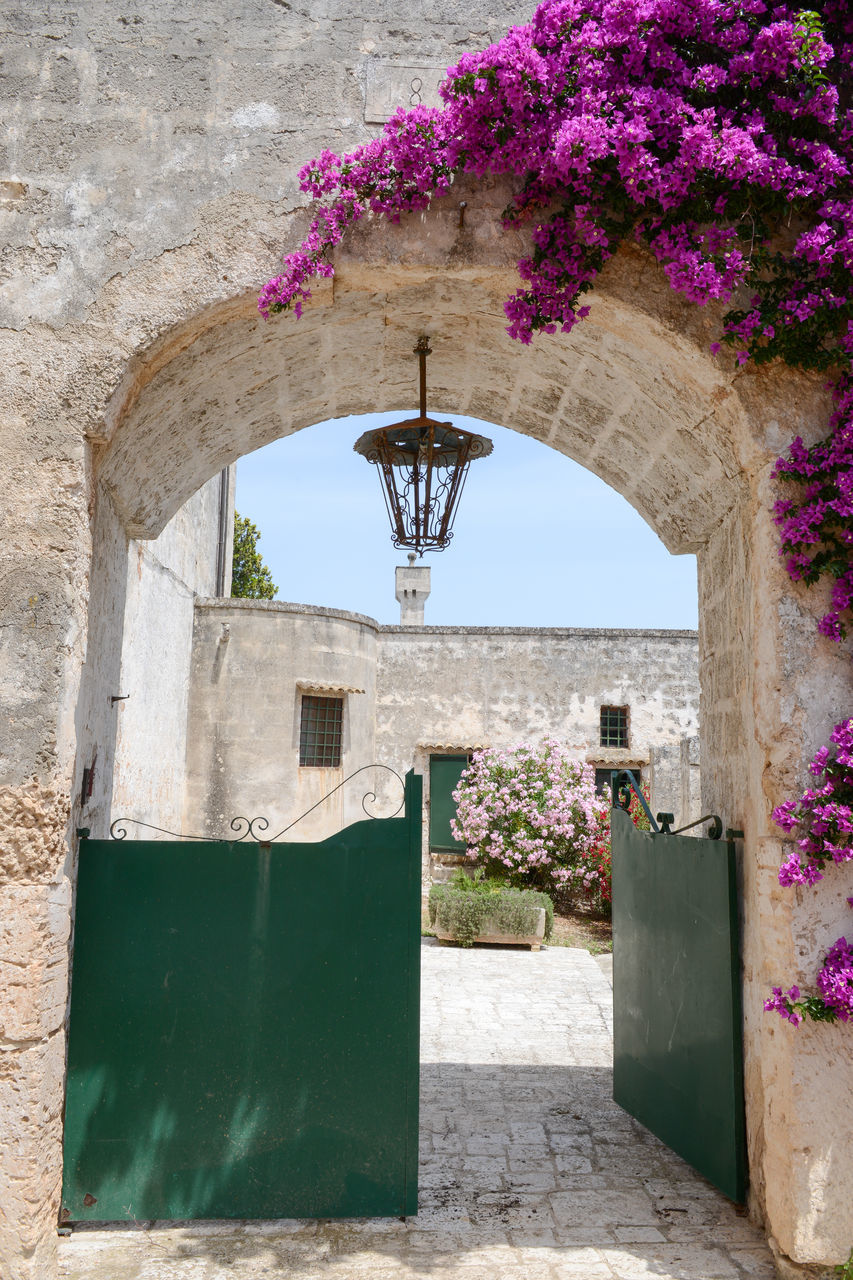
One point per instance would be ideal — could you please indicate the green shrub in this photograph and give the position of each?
(477, 906)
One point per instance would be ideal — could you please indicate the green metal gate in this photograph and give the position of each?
(244, 1027)
(677, 1036)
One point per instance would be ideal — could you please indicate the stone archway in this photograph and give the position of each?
(633, 396)
(136, 368)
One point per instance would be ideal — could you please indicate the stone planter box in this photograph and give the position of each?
(531, 940)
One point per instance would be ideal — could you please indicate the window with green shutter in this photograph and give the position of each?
(444, 775)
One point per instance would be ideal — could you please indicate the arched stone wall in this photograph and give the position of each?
(153, 186)
(690, 441)
(624, 395)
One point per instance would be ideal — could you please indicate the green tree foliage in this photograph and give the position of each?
(251, 578)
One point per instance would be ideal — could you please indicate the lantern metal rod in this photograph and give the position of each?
(422, 350)
(422, 508)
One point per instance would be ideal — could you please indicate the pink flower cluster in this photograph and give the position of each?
(703, 128)
(824, 814)
(816, 529)
(786, 1004)
(532, 815)
(835, 984)
(835, 980)
(399, 171)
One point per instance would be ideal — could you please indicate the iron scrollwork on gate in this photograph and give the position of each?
(255, 829)
(623, 782)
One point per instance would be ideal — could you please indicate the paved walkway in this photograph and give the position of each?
(529, 1171)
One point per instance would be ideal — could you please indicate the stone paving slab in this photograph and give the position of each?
(528, 1169)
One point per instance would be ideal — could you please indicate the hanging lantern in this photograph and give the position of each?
(422, 465)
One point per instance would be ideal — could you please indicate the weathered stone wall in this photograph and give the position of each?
(794, 687)
(42, 629)
(446, 689)
(165, 577)
(133, 128)
(135, 638)
(148, 185)
(771, 690)
(425, 690)
(131, 722)
(251, 662)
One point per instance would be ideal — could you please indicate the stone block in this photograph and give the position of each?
(33, 826)
(31, 1080)
(34, 928)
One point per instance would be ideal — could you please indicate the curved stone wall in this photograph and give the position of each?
(252, 662)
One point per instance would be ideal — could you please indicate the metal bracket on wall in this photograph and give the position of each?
(623, 782)
(714, 832)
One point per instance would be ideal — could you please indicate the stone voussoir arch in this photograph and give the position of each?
(145, 369)
(633, 394)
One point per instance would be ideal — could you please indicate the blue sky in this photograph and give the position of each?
(539, 541)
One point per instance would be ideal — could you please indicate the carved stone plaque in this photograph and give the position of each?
(396, 84)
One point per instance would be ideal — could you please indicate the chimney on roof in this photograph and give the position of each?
(412, 588)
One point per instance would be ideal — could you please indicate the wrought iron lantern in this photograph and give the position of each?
(423, 465)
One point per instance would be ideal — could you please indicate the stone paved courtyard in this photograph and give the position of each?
(529, 1171)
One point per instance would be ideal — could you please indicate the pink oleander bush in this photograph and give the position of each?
(530, 815)
(824, 819)
(716, 132)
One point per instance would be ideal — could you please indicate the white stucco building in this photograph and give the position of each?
(227, 707)
(286, 701)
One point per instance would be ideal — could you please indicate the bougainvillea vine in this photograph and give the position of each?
(824, 814)
(823, 819)
(718, 133)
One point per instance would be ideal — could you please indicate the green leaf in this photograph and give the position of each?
(251, 578)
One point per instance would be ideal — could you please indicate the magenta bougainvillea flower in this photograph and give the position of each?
(823, 821)
(823, 817)
(835, 984)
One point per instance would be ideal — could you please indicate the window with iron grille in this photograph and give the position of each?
(614, 726)
(320, 732)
